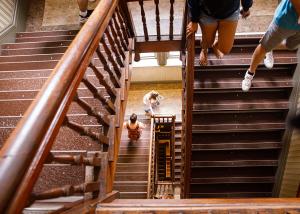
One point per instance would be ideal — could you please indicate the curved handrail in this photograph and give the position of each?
(35, 133)
(189, 90)
(188, 79)
(151, 160)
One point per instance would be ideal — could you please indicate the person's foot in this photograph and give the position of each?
(269, 60)
(203, 57)
(83, 16)
(217, 52)
(246, 83)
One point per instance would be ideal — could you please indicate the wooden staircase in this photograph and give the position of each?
(177, 148)
(24, 68)
(76, 167)
(238, 137)
(132, 167)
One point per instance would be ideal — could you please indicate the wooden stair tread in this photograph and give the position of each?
(237, 146)
(238, 127)
(225, 179)
(234, 163)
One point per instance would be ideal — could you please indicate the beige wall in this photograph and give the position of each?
(291, 178)
(13, 15)
(156, 74)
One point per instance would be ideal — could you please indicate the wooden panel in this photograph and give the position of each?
(291, 178)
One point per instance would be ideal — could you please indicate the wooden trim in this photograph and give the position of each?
(190, 56)
(157, 46)
(150, 160)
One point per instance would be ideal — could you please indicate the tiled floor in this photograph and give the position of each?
(171, 104)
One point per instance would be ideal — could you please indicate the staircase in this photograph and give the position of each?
(237, 137)
(132, 167)
(24, 68)
(72, 169)
(177, 148)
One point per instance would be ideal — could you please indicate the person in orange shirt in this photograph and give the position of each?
(134, 127)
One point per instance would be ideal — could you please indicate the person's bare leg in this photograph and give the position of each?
(257, 57)
(226, 33)
(83, 5)
(208, 38)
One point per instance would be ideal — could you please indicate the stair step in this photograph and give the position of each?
(37, 57)
(235, 101)
(237, 146)
(239, 121)
(133, 195)
(232, 195)
(45, 38)
(134, 176)
(254, 136)
(21, 105)
(53, 205)
(134, 151)
(30, 51)
(238, 56)
(46, 33)
(233, 171)
(234, 187)
(133, 159)
(125, 167)
(230, 77)
(130, 187)
(236, 163)
(225, 180)
(36, 44)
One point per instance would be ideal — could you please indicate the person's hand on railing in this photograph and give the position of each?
(191, 28)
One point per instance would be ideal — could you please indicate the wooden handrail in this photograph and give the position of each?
(151, 154)
(25, 151)
(188, 106)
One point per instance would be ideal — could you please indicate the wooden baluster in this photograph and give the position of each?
(113, 77)
(110, 57)
(116, 39)
(171, 19)
(100, 138)
(124, 29)
(119, 32)
(108, 104)
(113, 47)
(67, 190)
(104, 81)
(127, 19)
(157, 19)
(102, 119)
(74, 159)
(144, 20)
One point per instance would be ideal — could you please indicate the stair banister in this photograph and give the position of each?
(151, 161)
(188, 104)
(23, 154)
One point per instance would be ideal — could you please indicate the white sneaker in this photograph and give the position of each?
(269, 60)
(246, 84)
